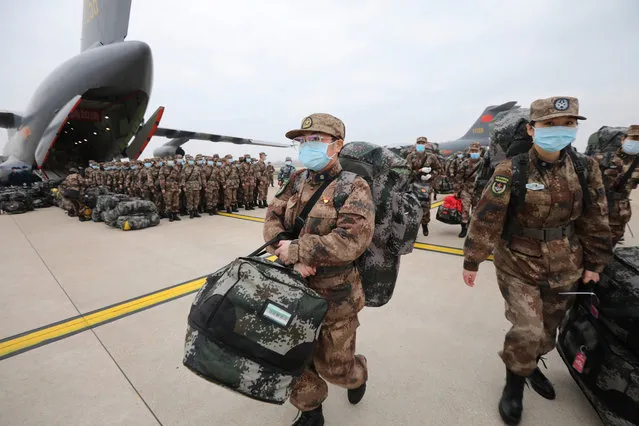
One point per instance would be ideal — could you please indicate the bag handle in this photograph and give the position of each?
(300, 221)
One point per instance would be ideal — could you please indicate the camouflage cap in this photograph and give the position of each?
(557, 106)
(263, 153)
(320, 122)
(422, 139)
(288, 159)
(475, 146)
(633, 130)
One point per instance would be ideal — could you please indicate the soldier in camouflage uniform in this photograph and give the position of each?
(191, 182)
(157, 191)
(145, 180)
(544, 243)
(465, 183)
(88, 175)
(74, 185)
(614, 166)
(247, 181)
(170, 185)
(424, 167)
(213, 181)
(262, 181)
(324, 253)
(270, 171)
(285, 172)
(231, 183)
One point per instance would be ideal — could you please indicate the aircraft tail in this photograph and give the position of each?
(104, 22)
(480, 129)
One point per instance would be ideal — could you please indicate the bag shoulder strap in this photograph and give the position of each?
(628, 174)
(343, 188)
(580, 162)
(520, 165)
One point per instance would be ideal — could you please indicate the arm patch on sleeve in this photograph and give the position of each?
(500, 185)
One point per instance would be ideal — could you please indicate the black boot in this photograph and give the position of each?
(211, 212)
(311, 418)
(177, 217)
(264, 204)
(464, 230)
(540, 383)
(425, 230)
(191, 214)
(196, 213)
(234, 208)
(510, 404)
(228, 210)
(171, 217)
(356, 395)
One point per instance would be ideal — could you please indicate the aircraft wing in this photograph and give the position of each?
(183, 134)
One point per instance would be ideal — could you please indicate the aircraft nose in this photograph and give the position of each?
(136, 54)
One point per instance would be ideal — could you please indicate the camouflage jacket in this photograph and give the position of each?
(416, 161)
(99, 177)
(169, 178)
(557, 203)
(192, 177)
(285, 172)
(216, 177)
(270, 170)
(231, 176)
(88, 177)
(74, 181)
(154, 177)
(614, 166)
(247, 174)
(260, 171)
(207, 171)
(329, 238)
(466, 174)
(114, 179)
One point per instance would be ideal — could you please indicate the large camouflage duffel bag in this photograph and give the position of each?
(15, 202)
(134, 207)
(105, 203)
(252, 328)
(138, 221)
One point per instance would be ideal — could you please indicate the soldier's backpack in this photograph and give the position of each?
(137, 221)
(508, 137)
(252, 328)
(606, 139)
(606, 371)
(398, 214)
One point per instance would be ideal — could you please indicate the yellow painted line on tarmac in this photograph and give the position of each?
(241, 216)
(14, 345)
(436, 204)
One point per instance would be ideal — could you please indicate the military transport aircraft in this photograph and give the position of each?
(478, 132)
(92, 106)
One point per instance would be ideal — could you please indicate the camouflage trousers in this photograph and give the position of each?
(159, 200)
(271, 181)
(230, 197)
(172, 200)
(535, 313)
(262, 189)
(192, 198)
(468, 202)
(426, 210)
(619, 214)
(212, 195)
(146, 194)
(249, 193)
(334, 360)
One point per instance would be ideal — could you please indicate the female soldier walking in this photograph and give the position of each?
(552, 234)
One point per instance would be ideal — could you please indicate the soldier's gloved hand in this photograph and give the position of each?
(469, 278)
(425, 169)
(304, 270)
(590, 276)
(427, 177)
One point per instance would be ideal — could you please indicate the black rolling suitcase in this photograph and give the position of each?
(605, 369)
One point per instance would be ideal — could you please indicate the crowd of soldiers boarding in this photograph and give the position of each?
(188, 184)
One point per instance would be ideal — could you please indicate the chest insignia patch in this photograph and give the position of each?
(534, 186)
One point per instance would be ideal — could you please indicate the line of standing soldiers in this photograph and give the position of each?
(188, 185)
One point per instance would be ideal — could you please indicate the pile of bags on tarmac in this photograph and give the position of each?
(22, 199)
(599, 340)
(124, 212)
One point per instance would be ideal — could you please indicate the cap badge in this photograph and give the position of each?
(562, 104)
(308, 122)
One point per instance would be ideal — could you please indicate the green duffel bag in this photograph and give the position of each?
(253, 327)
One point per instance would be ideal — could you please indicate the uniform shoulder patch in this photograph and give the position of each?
(500, 184)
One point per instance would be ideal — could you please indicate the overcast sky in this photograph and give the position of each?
(392, 70)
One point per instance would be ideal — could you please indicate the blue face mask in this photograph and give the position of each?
(420, 148)
(630, 147)
(553, 139)
(219, 164)
(160, 163)
(474, 155)
(171, 163)
(210, 163)
(134, 167)
(460, 155)
(147, 164)
(181, 161)
(313, 155)
(191, 162)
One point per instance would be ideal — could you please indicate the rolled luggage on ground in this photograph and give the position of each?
(252, 328)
